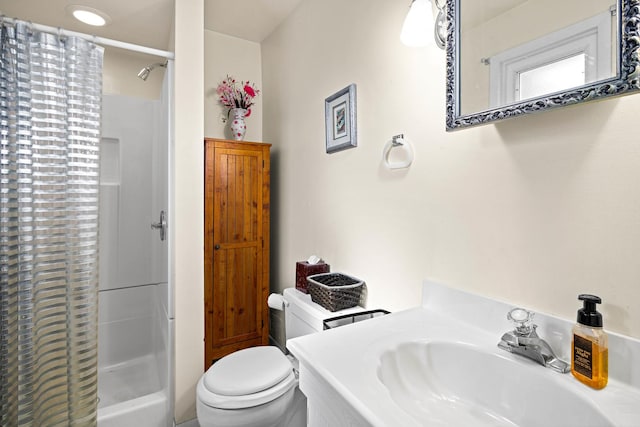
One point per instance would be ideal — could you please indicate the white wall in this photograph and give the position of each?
(187, 199)
(120, 74)
(129, 326)
(533, 210)
(126, 240)
(226, 55)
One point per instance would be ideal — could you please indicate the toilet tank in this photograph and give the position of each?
(303, 316)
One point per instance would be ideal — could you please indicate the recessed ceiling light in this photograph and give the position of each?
(89, 15)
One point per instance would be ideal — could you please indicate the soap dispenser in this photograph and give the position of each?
(589, 347)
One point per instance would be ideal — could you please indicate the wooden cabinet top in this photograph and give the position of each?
(230, 142)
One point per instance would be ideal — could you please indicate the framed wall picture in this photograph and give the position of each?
(340, 117)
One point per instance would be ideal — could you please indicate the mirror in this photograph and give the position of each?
(511, 57)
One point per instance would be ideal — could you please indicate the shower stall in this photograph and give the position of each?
(135, 374)
(84, 192)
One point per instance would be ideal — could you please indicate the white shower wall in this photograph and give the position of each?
(129, 326)
(126, 238)
(135, 329)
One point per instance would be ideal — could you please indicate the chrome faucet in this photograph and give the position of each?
(524, 340)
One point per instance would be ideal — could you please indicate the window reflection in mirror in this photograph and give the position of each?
(552, 77)
(513, 50)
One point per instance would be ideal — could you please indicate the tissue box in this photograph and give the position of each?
(304, 269)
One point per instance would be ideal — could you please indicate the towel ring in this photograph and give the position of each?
(398, 141)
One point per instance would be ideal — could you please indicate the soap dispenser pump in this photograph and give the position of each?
(589, 347)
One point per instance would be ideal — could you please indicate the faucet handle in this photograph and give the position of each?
(522, 320)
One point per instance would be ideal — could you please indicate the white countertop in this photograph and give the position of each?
(348, 358)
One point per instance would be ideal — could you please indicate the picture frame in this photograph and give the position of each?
(340, 120)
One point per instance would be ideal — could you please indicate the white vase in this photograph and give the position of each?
(237, 124)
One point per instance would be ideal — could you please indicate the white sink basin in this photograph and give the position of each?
(452, 384)
(439, 365)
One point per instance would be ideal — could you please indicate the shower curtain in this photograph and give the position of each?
(50, 97)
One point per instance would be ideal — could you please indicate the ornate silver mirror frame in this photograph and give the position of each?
(627, 81)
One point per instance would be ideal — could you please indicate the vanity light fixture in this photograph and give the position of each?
(88, 15)
(415, 30)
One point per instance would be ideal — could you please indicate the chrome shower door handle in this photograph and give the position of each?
(162, 226)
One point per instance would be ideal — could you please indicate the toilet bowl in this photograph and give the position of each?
(258, 386)
(252, 387)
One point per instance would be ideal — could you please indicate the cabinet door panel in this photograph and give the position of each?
(235, 294)
(238, 197)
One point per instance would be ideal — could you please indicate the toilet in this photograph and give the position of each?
(258, 386)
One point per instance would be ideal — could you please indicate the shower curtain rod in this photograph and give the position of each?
(95, 39)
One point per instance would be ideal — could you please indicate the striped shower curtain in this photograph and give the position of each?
(50, 97)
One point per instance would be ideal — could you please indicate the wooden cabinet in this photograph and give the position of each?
(237, 180)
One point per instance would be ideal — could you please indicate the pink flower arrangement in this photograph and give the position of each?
(233, 94)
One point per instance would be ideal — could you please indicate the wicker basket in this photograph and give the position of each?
(335, 291)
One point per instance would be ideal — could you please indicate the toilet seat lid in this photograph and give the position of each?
(247, 371)
(220, 401)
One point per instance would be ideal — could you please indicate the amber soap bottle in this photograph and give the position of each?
(589, 346)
